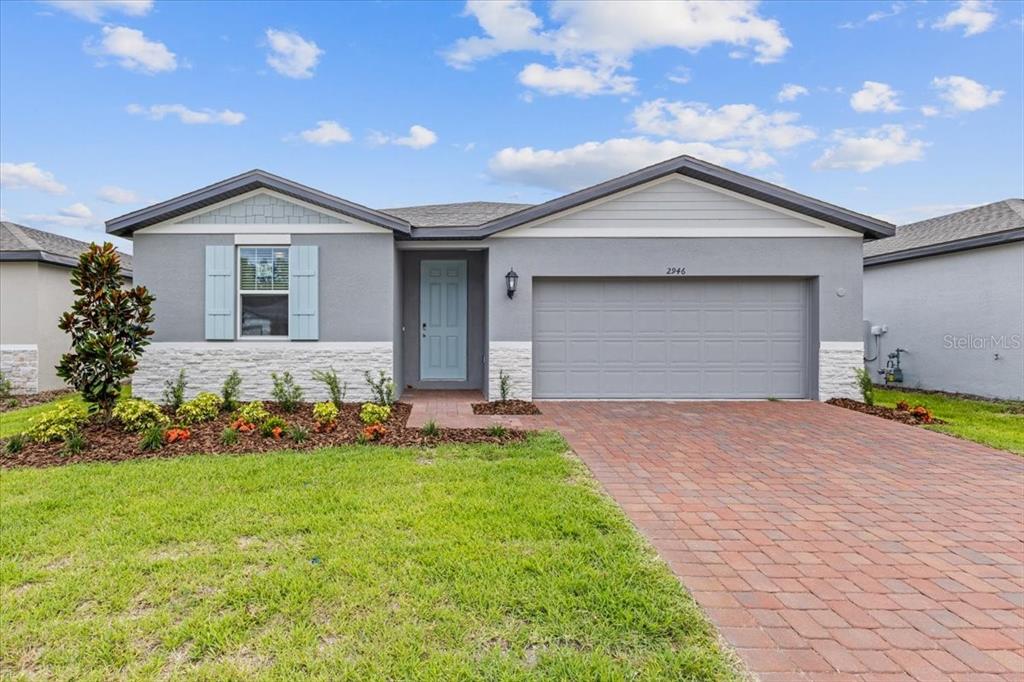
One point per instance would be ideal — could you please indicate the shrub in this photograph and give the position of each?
(74, 443)
(152, 439)
(903, 406)
(5, 391)
(430, 428)
(109, 328)
(174, 391)
(382, 389)
(273, 427)
(335, 388)
(229, 436)
(374, 432)
(16, 443)
(504, 385)
(867, 388)
(298, 433)
(203, 408)
(229, 391)
(497, 431)
(374, 414)
(922, 413)
(136, 414)
(286, 392)
(177, 434)
(325, 415)
(57, 423)
(253, 413)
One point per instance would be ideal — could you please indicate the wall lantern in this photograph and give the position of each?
(511, 281)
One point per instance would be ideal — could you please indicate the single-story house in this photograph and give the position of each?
(949, 291)
(682, 280)
(35, 290)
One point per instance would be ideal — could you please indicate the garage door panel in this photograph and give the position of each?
(670, 338)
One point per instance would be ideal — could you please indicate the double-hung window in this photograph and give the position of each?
(263, 291)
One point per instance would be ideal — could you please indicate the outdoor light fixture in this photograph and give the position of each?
(511, 280)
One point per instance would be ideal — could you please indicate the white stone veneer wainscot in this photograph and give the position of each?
(207, 364)
(838, 362)
(20, 365)
(514, 358)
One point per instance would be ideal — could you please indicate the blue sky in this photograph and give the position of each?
(898, 109)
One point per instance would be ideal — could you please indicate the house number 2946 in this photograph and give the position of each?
(675, 270)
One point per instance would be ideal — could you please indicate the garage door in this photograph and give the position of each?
(670, 338)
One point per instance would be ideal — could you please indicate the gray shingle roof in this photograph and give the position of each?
(466, 214)
(966, 229)
(18, 242)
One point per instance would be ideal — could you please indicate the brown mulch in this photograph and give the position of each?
(16, 402)
(884, 412)
(108, 443)
(506, 407)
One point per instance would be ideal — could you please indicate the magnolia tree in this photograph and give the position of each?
(109, 327)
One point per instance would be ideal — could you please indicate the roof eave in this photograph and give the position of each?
(39, 256)
(992, 239)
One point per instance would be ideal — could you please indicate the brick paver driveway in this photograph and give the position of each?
(825, 544)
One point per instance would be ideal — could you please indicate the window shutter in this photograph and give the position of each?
(303, 293)
(220, 293)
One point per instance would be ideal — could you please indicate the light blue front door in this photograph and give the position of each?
(443, 320)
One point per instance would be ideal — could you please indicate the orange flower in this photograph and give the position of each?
(374, 432)
(277, 432)
(175, 434)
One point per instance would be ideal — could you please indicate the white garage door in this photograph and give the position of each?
(670, 338)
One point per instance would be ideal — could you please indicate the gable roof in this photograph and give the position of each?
(476, 220)
(21, 243)
(125, 225)
(995, 223)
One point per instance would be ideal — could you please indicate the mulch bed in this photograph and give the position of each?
(109, 443)
(17, 402)
(506, 407)
(884, 412)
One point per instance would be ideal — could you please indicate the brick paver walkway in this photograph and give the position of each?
(824, 544)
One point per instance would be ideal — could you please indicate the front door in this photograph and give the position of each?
(443, 320)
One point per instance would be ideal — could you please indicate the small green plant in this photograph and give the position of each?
(496, 430)
(16, 443)
(152, 439)
(362, 439)
(273, 427)
(6, 397)
(203, 408)
(229, 436)
(286, 392)
(867, 387)
(773, 399)
(74, 443)
(430, 428)
(504, 385)
(325, 415)
(253, 413)
(174, 391)
(299, 434)
(371, 413)
(57, 423)
(136, 414)
(382, 389)
(229, 391)
(335, 387)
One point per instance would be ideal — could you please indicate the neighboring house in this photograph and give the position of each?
(35, 289)
(681, 280)
(950, 290)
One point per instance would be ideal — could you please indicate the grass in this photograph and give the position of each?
(988, 423)
(17, 421)
(455, 563)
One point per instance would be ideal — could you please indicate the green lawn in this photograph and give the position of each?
(983, 422)
(463, 562)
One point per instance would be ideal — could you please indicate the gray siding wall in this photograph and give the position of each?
(261, 208)
(934, 306)
(356, 283)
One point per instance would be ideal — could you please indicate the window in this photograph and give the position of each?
(263, 291)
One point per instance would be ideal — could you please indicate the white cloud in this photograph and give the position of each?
(117, 195)
(75, 215)
(575, 80)
(292, 55)
(29, 176)
(874, 96)
(419, 137)
(326, 133)
(964, 94)
(790, 92)
(681, 75)
(134, 51)
(585, 164)
(888, 145)
(735, 125)
(976, 16)
(94, 10)
(158, 112)
(929, 110)
(878, 15)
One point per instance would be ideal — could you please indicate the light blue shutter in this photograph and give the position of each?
(220, 292)
(303, 298)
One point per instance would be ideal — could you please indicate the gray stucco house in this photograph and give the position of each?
(950, 290)
(680, 280)
(35, 289)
